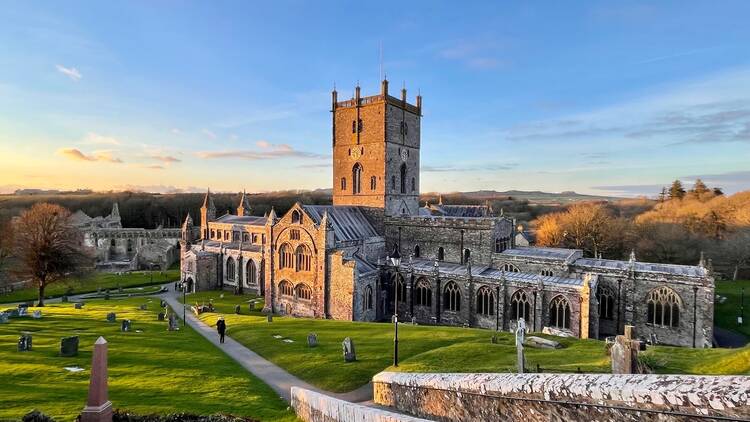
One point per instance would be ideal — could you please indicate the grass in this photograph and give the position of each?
(154, 371)
(725, 314)
(431, 349)
(92, 282)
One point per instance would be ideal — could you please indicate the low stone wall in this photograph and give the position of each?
(544, 397)
(315, 407)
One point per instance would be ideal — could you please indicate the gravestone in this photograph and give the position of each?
(520, 333)
(312, 340)
(163, 304)
(23, 306)
(143, 307)
(119, 289)
(79, 305)
(64, 299)
(125, 326)
(348, 349)
(22, 312)
(12, 313)
(111, 317)
(99, 290)
(237, 309)
(160, 317)
(413, 320)
(3, 318)
(69, 346)
(24, 342)
(269, 317)
(494, 339)
(542, 343)
(36, 314)
(624, 353)
(172, 322)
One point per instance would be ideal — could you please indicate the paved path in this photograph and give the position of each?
(277, 378)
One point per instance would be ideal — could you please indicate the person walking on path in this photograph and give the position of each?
(221, 327)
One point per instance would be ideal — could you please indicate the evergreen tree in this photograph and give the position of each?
(663, 194)
(699, 188)
(676, 191)
(718, 191)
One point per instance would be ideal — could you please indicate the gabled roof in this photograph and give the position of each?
(348, 222)
(243, 220)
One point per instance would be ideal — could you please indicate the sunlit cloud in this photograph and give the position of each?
(167, 159)
(97, 139)
(70, 72)
(76, 155)
(268, 151)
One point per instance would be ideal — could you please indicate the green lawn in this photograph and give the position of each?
(154, 371)
(431, 349)
(92, 282)
(725, 314)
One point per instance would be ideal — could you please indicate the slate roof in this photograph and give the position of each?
(643, 267)
(243, 220)
(348, 222)
(450, 268)
(543, 253)
(465, 211)
(363, 266)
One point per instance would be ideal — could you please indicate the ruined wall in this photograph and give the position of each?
(564, 397)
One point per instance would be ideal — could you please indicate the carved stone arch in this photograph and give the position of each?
(559, 312)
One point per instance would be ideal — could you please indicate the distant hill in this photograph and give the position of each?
(533, 197)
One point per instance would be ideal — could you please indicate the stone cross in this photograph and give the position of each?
(624, 353)
(98, 407)
(348, 348)
(520, 333)
(125, 325)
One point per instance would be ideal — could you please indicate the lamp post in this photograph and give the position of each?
(395, 261)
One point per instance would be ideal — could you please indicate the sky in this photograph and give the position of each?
(612, 98)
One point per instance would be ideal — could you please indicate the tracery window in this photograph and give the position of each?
(303, 258)
(357, 178)
(606, 302)
(285, 256)
(485, 301)
(373, 183)
(546, 273)
(230, 269)
(663, 307)
(252, 272)
(441, 254)
(423, 293)
(452, 297)
(559, 313)
(400, 289)
(297, 216)
(510, 268)
(286, 288)
(367, 302)
(304, 291)
(294, 234)
(520, 306)
(416, 251)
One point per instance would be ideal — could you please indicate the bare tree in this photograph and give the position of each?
(47, 246)
(735, 250)
(6, 242)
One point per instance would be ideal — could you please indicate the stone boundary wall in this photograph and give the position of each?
(315, 407)
(543, 397)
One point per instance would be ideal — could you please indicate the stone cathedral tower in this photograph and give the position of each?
(376, 143)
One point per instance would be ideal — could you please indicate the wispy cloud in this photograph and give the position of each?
(97, 139)
(76, 155)
(167, 159)
(468, 167)
(209, 133)
(70, 72)
(267, 151)
(153, 167)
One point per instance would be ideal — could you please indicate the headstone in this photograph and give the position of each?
(98, 407)
(556, 332)
(3, 318)
(22, 312)
(541, 343)
(520, 334)
(24, 342)
(237, 309)
(64, 299)
(162, 304)
(160, 317)
(312, 340)
(125, 326)
(348, 349)
(172, 322)
(624, 353)
(413, 320)
(79, 305)
(494, 339)
(119, 289)
(69, 346)
(99, 290)
(111, 317)
(12, 313)
(23, 306)
(143, 307)
(36, 314)
(269, 317)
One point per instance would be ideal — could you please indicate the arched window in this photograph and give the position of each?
(130, 245)
(606, 302)
(452, 297)
(286, 288)
(441, 254)
(360, 125)
(251, 273)
(354, 126)
(664, 307)
(520, 306)
(230, 269)
(485, 301)
(510, 268)
(501, 244)
(303, 291)
(416, 251)
(424, 292)
(343, 183)
(296, 217)
(413, 184)
(357, 178)
(559, 313)
(401, 288)
(373, 183)
(403, 178)
(303, 258)
(393, 182)
(367, 302)
(285, 256)
(404, 128)
(546, 273)
(467, 255)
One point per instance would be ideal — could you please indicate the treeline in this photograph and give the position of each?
(676, 230)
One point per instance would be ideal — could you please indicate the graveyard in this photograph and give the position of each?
(151, 370)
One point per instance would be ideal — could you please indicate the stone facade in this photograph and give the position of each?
(459, 264)
(118, 248)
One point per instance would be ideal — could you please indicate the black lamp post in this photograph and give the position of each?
(395, 261)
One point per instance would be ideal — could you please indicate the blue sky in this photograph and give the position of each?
(596, 97)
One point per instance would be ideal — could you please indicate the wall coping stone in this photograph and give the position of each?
(312, 406)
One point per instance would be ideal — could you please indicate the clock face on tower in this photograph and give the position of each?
(356, 154)
(404, 155)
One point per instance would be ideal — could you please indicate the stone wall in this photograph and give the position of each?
(315, 407)
(543, 397)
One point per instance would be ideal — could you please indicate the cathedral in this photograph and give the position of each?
(456, 265)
